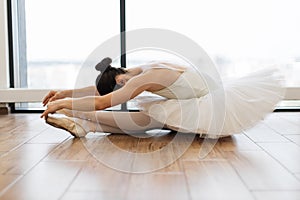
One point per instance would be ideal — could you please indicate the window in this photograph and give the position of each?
(53, 38)
(240, 36)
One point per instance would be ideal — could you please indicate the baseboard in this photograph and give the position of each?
(4, 110)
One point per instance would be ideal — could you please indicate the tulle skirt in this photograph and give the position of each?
(238, 105)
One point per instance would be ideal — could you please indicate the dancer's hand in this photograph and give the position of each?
(53, 106)
(54, 95)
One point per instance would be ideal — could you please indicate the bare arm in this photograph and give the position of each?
(131, 89)
(75, 93)
(153, 79)
(82, 92)
(90, 103)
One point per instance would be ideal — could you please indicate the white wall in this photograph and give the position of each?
(3, 46)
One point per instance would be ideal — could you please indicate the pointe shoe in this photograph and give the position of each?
(67, 124)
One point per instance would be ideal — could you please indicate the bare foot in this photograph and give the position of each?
(67, 124)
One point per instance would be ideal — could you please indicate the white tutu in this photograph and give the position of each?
(239, 105)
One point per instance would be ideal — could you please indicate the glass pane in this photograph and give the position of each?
(240, 36)
(60, 35)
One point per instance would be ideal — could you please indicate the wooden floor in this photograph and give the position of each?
(41, 162)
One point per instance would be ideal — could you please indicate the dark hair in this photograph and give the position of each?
(105, 81)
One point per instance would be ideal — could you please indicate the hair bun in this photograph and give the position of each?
(104, 64)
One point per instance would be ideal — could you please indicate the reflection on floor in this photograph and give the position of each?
(41, 162)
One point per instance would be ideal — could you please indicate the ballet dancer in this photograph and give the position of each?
(185, 103)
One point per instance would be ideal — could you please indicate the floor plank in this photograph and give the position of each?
(12, 122)
(282, 126)
(157, 154)
(291, 117)
(48, 180)
(6, 180)
(277, 195)
(201, 147)
(294, 138)
(24, 158)
(70, 150)
(15, 140)
(238, 142)
(4, 135)
(32, 124)
(50, 135)
(263, 133)
(95, 177)
(157, 186)
(288, 154)
(88, 196)
(214, 180)
(260, 172)
(116, 151)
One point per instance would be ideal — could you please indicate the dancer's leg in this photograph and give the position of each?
(80, 127)
(90, 126)
(129, 121)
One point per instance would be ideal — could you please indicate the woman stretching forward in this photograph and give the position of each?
(186, 104)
